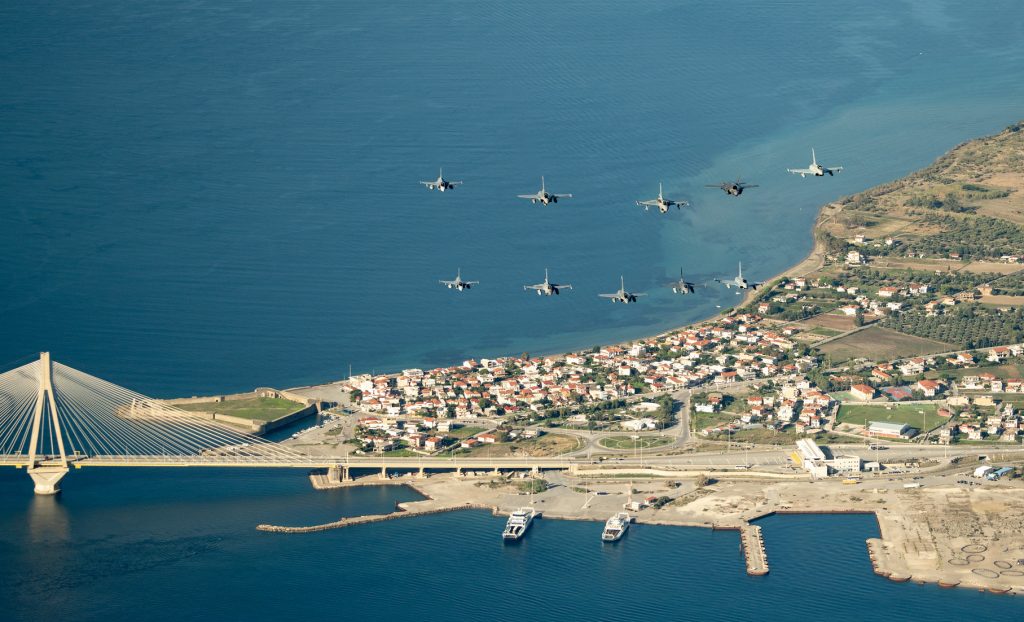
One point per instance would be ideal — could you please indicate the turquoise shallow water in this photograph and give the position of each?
(173, 545)
(212, 196)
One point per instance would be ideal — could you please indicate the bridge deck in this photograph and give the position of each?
(300, 462)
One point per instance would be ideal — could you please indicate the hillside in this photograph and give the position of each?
(937, 255)
(966, 206)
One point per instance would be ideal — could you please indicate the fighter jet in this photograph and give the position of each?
(547, 287)
(458, 283)
(441, 184)
(661, 202)
(815, 169)
(682, 286)
(622, 295)
(735, 188)
(739, 282)
(543, 196)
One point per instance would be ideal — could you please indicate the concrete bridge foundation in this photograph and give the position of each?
(47, 479)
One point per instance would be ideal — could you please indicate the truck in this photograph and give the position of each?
(983, 471)
(994, 475)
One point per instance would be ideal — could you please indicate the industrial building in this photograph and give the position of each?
(886, 429)
(814, 461)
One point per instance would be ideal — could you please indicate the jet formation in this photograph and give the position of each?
(664, 205)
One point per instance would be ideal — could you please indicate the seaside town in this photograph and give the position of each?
(751, 378)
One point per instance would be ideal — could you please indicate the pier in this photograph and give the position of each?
(753, 550)
(402, 510)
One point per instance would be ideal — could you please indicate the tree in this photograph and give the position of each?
(858, 318)
(355, 394)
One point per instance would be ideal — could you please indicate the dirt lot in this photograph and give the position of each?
(835, 321)
(878, 343)
(952, 265)
(1008, 208)
(1002, 301)
(547, 445)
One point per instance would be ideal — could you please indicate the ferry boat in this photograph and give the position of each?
(518, 522)
(616, 527)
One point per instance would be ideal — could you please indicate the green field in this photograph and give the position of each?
(627, 442)
(707, 420)
(466, 432)
(262, 408)
(825, 332)
(920, 416)
(401, 453)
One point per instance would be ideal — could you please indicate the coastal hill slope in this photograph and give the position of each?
(928, 263)
(967, 204)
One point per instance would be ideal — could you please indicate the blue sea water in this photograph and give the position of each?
(214, 195)
(162, 545)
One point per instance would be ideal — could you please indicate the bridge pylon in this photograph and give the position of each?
(46, 471)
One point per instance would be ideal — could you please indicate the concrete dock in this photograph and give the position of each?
(753, 550)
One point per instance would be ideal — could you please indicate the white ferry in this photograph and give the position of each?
(518, 522)
(616, 527)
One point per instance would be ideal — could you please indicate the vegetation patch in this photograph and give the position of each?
(920, 416)
(466, 432)
(261, 408)
(966, 326)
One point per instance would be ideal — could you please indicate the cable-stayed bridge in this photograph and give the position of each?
(54, 418)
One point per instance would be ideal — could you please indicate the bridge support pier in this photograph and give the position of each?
(383, 472)
(47, 479)
(458, 471)
(334, 474)
(496, 471)
(535, 471)
(423, 473)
